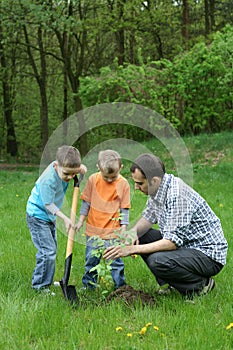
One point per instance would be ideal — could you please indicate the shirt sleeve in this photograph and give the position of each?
(52, 208)
(85, 208)
(123, 190)
(86, 193)
(125, 216)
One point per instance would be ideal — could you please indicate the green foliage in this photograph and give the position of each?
(194, 92)
(129, 83)
(103, 269)
(202, 82)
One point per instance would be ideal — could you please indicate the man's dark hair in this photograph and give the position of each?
(149, 165)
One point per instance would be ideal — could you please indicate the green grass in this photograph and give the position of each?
(33, 321)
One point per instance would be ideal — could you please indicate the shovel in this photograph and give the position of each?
(70, 291)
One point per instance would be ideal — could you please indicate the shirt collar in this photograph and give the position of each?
(161, 194)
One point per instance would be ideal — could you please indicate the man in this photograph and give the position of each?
(189, 247)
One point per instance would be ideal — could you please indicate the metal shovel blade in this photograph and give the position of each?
(69, 292)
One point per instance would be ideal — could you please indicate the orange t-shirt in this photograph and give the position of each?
(105, 198)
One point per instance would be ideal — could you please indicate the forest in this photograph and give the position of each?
(59, 57)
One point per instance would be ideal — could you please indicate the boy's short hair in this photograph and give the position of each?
(109, 161)
(68, 157)
(149, 165)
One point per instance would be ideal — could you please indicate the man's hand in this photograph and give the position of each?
(112, 253)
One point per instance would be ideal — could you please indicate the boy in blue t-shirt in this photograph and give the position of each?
(44, 205)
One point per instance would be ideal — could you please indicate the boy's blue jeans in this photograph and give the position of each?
(44, 238)
(90, 278)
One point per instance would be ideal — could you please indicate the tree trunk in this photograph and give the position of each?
(83, 143)
(207, 21)
(120, 34)
(155, 29)
(65, 88)
(41, 80)
(65, 44)
(43, 92)
(11, 143)
(185, 22)
(212, 14)
(120, 38)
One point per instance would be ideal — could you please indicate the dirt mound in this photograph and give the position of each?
(129, 296)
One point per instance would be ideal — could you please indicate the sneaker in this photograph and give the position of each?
(86, 290)
(47, 291)
(165, 290)
(208, 287)
(56, 284)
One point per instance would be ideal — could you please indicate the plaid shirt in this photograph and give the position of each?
(186, 219)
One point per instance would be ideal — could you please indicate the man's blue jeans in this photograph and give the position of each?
(44, 238)
(90, 277)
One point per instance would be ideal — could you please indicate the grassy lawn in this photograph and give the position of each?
(34, 321)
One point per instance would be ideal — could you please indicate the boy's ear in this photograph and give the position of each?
(55, 164)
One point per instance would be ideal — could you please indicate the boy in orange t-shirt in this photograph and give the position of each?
(105, 195)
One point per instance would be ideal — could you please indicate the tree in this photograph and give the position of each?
(8, 74)
(73, 44)
(209, 16)
(40, 76)
(185, 30)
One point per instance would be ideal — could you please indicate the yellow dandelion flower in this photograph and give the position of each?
(148, 324)
(17, 195)
(229, 326)
(129, 335)
(221, 205)
(156, 328)
(143, 331)
(133, 256)
(118, 329)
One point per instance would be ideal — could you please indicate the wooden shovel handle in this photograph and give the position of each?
(71, 234)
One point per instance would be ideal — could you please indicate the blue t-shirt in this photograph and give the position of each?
(48, 189)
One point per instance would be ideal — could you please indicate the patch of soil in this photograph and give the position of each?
(213, 157)
(129, 296)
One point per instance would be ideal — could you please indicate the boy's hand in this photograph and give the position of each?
(68, 224)
(67, 221)
(129, 237)
(78, 225)
(82, 169)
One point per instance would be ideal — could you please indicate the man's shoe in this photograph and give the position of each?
(208, 287)
(165, 290)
